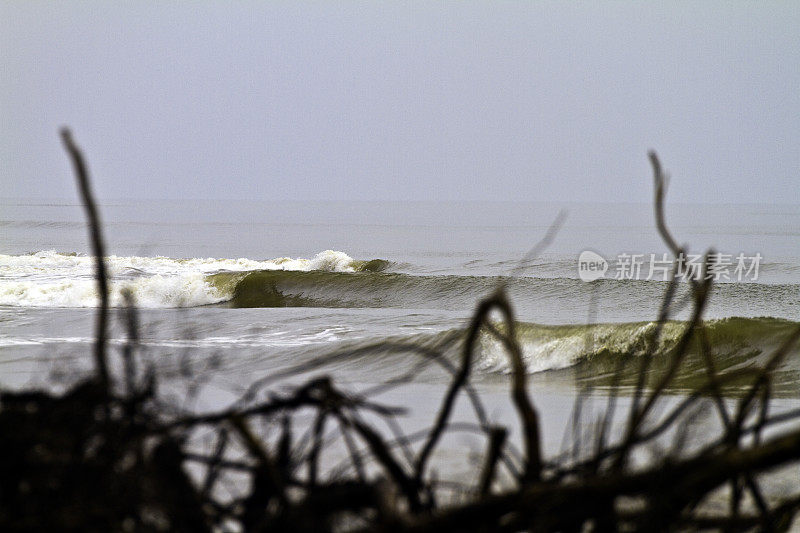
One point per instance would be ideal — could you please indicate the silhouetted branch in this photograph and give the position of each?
(98, 249)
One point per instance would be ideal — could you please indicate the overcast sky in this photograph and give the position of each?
(502, 101)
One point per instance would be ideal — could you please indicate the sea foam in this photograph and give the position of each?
(53, 279)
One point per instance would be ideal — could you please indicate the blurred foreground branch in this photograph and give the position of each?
(98, 250)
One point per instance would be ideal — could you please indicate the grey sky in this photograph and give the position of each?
(502, 101)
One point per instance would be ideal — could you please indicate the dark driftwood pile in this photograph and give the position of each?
(108, 455)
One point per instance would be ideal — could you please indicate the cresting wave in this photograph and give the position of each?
(736, 341)
(52, 279)
(335, 280)
(549, 300)
(598, 354)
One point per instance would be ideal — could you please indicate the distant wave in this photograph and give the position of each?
(52, 279)
(390, 289)
(367, 288)
(333, 279)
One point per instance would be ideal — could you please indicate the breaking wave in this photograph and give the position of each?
(333, 279)
(52, 279)
(606, 354)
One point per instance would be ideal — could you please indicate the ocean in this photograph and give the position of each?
(240, 292)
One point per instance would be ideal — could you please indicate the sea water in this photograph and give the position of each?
(244, 292)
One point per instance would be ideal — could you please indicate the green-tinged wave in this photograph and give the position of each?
(373, 265)
(609, 354)
(601, 355)
(368, 287)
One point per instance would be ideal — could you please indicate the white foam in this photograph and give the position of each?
(539, 355)
(52, 279)
(558, 347)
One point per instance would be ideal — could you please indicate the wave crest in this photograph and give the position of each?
(53, 279)
(601, 353)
